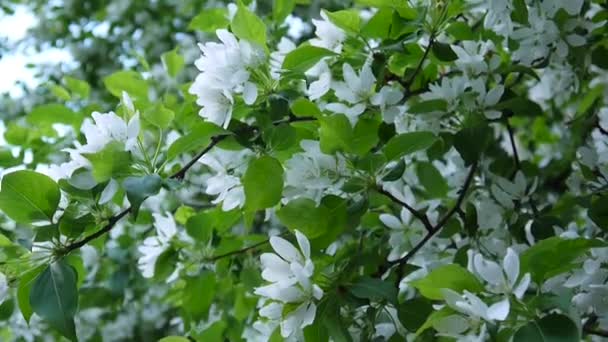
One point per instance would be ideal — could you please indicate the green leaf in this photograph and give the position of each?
(431, 179)
(49, 114)
(173, 62)
(59, 91)
(460, 31)
(76, 86)
(472, 141)
(450, 276)
(520, 106)
(335, 134)
(246, 25)
(159, 115)
(598, 213)
(200, 227)
(348, 20)
(198, 295)
(374, 289)
(435, 317)
(437, 105)
(414, 312)
(128, 81)
(174, 339)
(379, 26)
(140, 188)
(304, 57)
(365, 136)
(110, 162)
(554, 255)
(209, 20)
(408, 143)
(443, 52)
(54, 297)
(282, 137)
(520, 12)
(263, 183)
(281, 9)
(551, 328)
(27, 196)
(23, 292)
(599, 56)
(304, 215)
(198, 138)
(304, 107)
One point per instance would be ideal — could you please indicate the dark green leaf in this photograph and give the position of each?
(198, 295)
(54, 297)
(551, 328)
(430, 178)
(374, 289)
(140, 188)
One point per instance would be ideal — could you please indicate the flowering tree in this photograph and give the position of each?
(392, 170)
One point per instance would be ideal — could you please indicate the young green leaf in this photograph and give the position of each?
(304, 57)
(246, 25)
(450, 276)
(210, 20)
(263, 183)
(407, 143)
(173, 62)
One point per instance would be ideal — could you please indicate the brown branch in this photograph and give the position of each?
(589, 329)
(236, 252)
(437, 228)
(417, 214)
(513, 147)
(179, 175)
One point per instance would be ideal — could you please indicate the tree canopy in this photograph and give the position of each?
(304, 170)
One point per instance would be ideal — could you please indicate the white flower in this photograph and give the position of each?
(224, 71)
(498, 17)
(154, 246)
(486, 99)
(277, 57)
(403, 235)
(313, 174)
(329, 36)
(386, 99)
(473, 307)
(289, 272)
(501, 279)
(355, 88)
(4, 289)
(108, 127)
(450, 90)
(471, 56)
(225, 182)
(322, 84)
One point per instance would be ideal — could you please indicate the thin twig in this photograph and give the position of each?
(513, 147)
(236, 252)
(589, 329)
(412, 78)
(417, 214)
(437, 228)
(179, 175)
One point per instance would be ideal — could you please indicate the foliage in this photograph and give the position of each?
(375, 170)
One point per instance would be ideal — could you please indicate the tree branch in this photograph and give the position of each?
(417, 214)
(412, 77)
(179, 175)
(513, 147)
(236, 252)
(437, 228)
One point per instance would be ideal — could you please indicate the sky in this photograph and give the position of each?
(13, 66)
